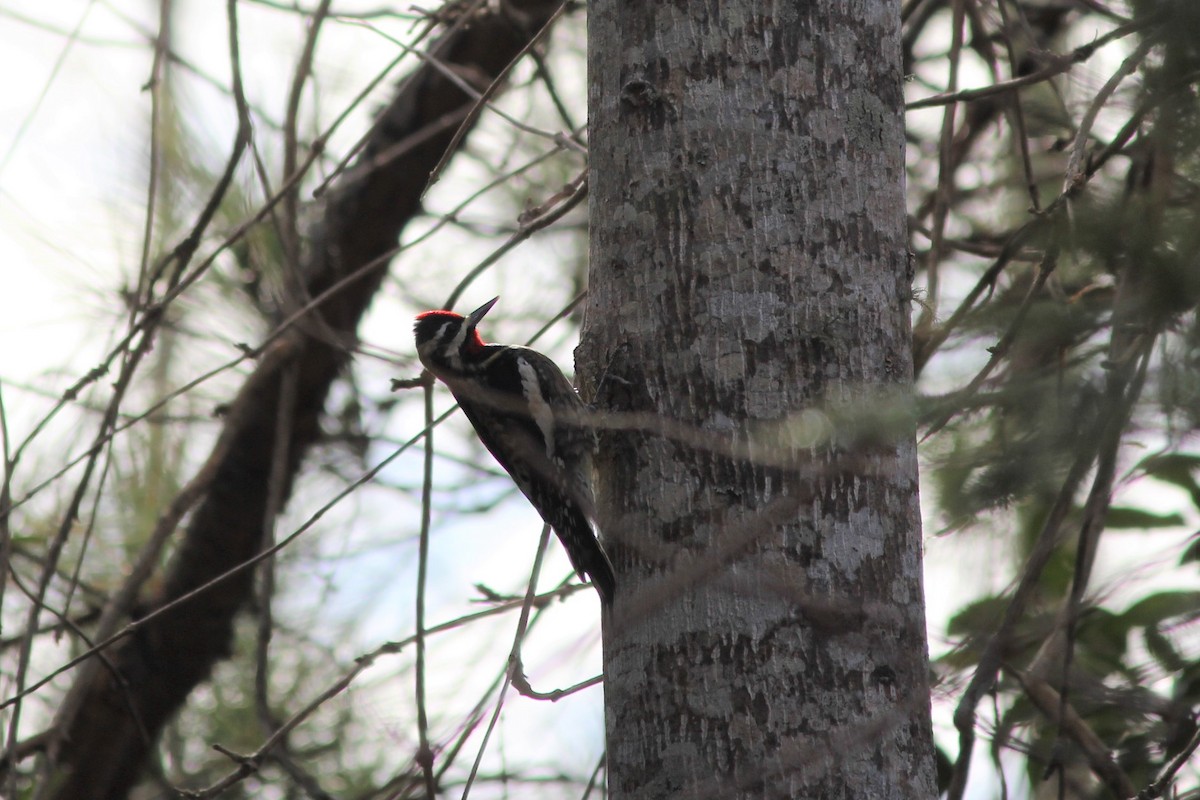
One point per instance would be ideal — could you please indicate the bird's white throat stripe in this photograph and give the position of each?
(454, 348)
(539, 409)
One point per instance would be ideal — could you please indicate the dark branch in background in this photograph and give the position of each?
(1100, 758)
(103, 749)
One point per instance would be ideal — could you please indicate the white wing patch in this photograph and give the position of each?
(539, 409)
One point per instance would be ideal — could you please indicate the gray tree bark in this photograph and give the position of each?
(749, 297)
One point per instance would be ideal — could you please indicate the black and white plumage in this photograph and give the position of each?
(528, 415)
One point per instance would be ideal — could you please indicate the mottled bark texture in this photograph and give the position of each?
(103, 748)
(749, 291)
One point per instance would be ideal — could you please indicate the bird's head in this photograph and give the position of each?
(447, 341)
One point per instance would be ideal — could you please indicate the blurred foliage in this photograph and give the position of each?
(1083, 245)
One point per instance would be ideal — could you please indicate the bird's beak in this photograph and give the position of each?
(475, 316)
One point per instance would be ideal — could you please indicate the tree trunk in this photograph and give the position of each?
(749, 297)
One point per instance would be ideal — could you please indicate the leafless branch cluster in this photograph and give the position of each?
(299, 249)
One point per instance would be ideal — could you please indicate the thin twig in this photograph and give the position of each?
(1060, 65)
(1165, 778)
(513, 658)
(425, 755)
(1017, 108)
(946, 170)
(1000, 350)
(1075, 175)
(290, 230)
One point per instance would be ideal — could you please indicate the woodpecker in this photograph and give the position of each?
(528, 415)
